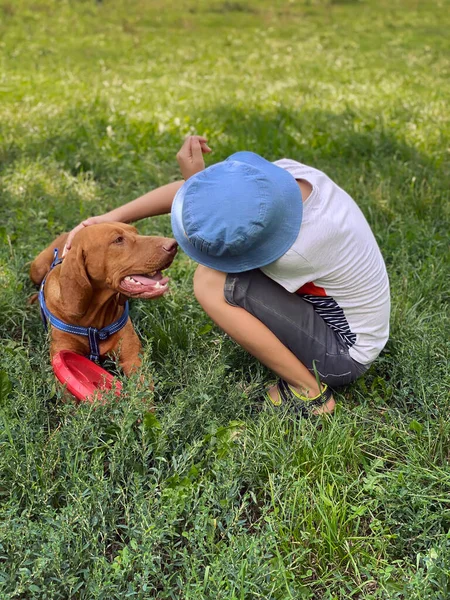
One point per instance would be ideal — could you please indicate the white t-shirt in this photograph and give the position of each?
(335, 264)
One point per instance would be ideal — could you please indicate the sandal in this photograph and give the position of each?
(300, 405)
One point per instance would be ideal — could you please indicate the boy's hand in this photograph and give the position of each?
(85, 223)
(190, 156)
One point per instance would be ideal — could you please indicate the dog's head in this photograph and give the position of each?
(113, 256)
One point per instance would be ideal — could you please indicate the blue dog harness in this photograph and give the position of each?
(94, 335)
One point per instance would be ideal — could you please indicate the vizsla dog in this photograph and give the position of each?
(107, 264)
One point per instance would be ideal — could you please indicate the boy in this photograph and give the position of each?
(288, 267)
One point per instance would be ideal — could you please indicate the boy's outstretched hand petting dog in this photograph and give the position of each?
(85, 223)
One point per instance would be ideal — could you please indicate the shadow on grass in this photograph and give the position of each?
(358, 151)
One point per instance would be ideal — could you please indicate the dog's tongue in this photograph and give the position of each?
(148, 280)
(143, 286)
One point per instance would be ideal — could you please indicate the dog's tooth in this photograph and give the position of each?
(128, 278)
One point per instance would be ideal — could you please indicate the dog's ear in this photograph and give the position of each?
(75, 287)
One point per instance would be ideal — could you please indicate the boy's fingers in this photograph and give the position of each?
(70, 238)
(185, 147)
(190, 155)
(196, 150)
(203, 143)
(190, 139)
(72, 234)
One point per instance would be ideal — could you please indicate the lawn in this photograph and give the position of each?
(202, 500)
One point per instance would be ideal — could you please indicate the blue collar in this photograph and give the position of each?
(93, 334)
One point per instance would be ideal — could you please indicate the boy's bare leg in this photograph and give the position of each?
(250, 333)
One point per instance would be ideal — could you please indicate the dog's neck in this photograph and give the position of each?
(106, 306)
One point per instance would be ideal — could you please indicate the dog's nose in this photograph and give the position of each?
(170, 246)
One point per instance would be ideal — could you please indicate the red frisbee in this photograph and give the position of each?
(86, 380)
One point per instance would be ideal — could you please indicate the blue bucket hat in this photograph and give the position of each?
(237, 215)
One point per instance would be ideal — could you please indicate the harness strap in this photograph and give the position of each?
(93, 343)
(56, 260)
(93, 334)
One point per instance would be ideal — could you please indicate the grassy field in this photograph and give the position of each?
(201, 499)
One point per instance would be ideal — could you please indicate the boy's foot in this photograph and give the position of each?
(283, 395)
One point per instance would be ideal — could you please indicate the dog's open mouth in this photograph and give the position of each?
(145, 286)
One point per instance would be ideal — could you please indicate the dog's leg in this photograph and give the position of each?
(131, 365)
(129, 349)
(130, 361)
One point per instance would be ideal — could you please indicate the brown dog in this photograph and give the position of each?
(107, 264)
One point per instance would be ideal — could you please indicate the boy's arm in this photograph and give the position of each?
(156, 202)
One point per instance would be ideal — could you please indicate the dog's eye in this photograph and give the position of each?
(119, 240)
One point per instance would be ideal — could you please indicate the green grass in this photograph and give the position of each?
(203, 500)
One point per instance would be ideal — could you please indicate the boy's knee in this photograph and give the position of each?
(208, 284)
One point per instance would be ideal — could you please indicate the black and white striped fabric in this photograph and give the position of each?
(333, 315)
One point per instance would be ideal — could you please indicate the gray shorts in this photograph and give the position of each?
(296, 324)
